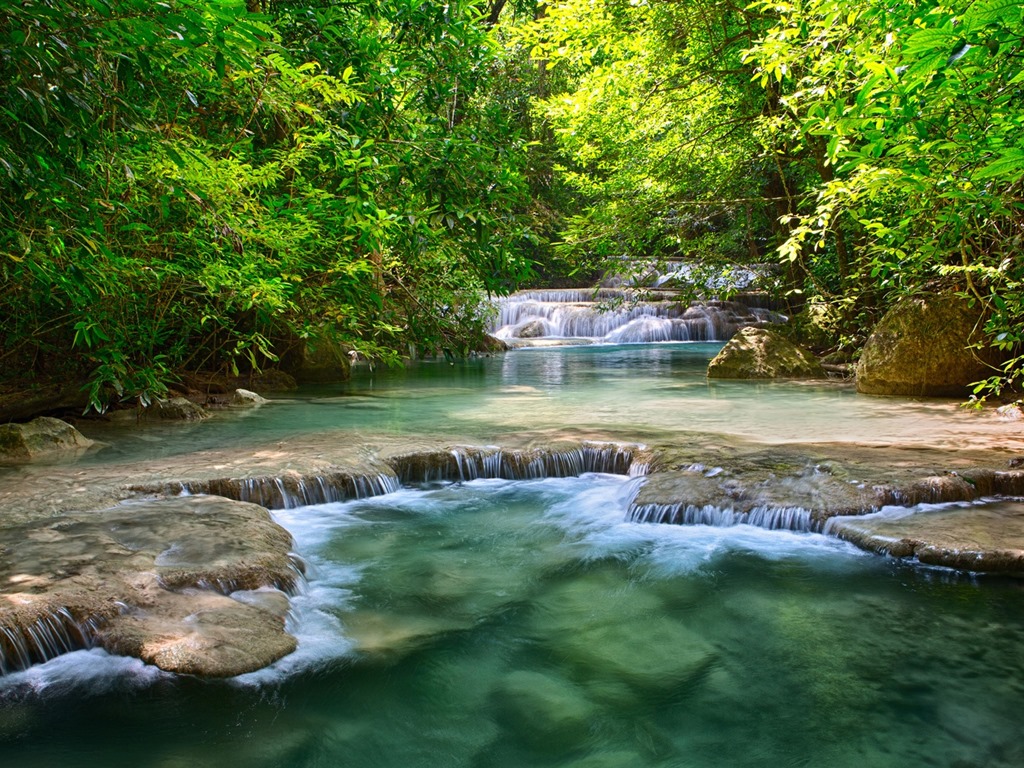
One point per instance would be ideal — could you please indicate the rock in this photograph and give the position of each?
(981, 537)
(921, 348)
(530, 330)
(551, 713)
(40, 437)
(324, 361)
(622, 639)
(150, 579)
(243, 397)
(759, 353)
(180, 409)
(197, 632)
(490, 344)
(1011, 412)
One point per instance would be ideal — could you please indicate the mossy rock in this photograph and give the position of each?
(922, 348)
(760, 353)
(41, 436)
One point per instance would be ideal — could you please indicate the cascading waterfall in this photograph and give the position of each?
(289, 491)
(771, 518)
(463, 464)
(45, 637)
(574, 314)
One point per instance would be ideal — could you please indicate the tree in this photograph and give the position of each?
(918, 109)
(202, 183)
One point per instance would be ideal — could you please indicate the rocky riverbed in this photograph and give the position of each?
(112, 555)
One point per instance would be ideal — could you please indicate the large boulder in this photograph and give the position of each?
(760, 353)
(921, 347)
(246, 398)
(39, 437)
(156, 579)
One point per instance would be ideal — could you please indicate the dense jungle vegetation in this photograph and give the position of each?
(215, 184)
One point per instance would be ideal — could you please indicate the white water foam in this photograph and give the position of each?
(596, 519)
(89, 672)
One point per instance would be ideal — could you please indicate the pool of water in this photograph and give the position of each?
(498, 624)
(631, 392)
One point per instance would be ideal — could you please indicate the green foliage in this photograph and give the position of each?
(189, 185)
(920, 105)
(653, 117)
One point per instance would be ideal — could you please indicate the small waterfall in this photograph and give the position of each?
(772, 518)
(44, 637)
(573, 314)
(468, 463)
(288, 491)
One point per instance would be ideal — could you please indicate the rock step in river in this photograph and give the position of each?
(198, 584)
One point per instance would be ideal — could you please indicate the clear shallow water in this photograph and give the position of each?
(501, 624)
(630, 392)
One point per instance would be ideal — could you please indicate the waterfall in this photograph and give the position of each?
(574, 314)
(288, 491)
(470, 463)
(772, 518)
(48, 635)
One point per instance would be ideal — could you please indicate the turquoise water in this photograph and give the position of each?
(500, 624)
(503, 624)
(630, 392)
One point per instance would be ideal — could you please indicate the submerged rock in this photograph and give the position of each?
(922, 347)
(40, 437)
(551, 713)
(591, 624)
(759, 353)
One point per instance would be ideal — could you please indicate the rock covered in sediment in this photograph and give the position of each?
(245, 398)
(40, 437)
(760, 353)
(977, 537)
(180, 409)
(923, 347)
(549, 711)
(151, 579)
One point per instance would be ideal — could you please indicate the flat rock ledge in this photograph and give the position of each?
(985, 538)
(151, 579)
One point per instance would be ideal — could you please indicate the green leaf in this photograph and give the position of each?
(1010, 164)
(985, 12)
(928, 40)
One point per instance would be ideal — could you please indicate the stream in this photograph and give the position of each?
(500, 624)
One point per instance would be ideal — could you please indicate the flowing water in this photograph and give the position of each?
(507, 624)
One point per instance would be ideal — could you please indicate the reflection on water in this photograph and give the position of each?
(632, 392)
(498, 624)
